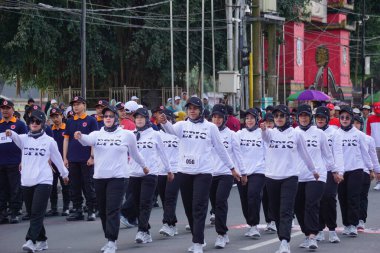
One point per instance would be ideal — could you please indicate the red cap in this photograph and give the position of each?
(330, 106)
(376, 107)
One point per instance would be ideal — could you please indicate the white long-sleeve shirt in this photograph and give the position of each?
(253, 151)
(152, 149)
(372, 153)
(171, 148)
(197, 141)
(35, 167)
(318, 147)
(231, 143)
(355, 150)
(111, 151)
(335, 145)
(283, 151)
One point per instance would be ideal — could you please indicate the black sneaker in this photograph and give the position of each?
(26, 217)
(75, 216)
(65, 212)
(73, 210)
(155, 204)
(14, 219)
(51, 213)
(91, 217)
(4, 219)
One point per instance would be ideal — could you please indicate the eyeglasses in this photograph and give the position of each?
(345, 117)
(279, 115)
(35, 121)
(109, 116)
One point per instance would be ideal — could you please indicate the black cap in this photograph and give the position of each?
(119, 105)
(55, 111)
(269, 116)
(17, 114)
(141, 111)
(168, 113)
(322, 111)
(159, 108)
(194, 101)
(6, 103)
(38, 115)
(103, 103)
(270, 108)
(30, 100)
(230, 110)
(78, 99)
(70, 114)
(281, 108)
(34, 108)
(253, 112)
(346, 108)
(359, 119)
(206, 113)
(219, 109)
(109, 108)
(304, 108)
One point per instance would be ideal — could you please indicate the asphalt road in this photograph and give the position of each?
(86, 237)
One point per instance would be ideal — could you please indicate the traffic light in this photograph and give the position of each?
(244, 57)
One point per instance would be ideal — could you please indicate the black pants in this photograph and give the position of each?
(143, 189)
(327, 211)
(265, 202)
(366, 183)
(307, 206)
(54, 191)
(10, 188)
(349, 197)
(195, 191)
(168, 192)
(109, 194)
(250, 198)
(36, 200)
(128, 209)
(220, 191)
(282, 194)
(80, 176)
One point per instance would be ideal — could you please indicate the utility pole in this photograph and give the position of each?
(363, 49)
(230, 60)
(213, 49)
(83, 50)
(203, 49)
(171, 50)
(256, 50)
(272, 73)
(187, 49)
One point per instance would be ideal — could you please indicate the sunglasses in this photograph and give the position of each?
(345, 117)
(109, 116)
(35, 121)
(279, 115)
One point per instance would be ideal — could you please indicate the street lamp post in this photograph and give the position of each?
(83, 50)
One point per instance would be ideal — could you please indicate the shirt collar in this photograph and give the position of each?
(13, 120)
(62, 126)
(99, 118)
(84, 115)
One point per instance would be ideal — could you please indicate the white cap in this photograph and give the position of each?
(336, 108)
(140, 106)
(366, 107)
(131, 106)
(205, 97)
(134, 98)
(356, 110)
(177, 98)
(194, 96)
(53, 101)
(169, 100)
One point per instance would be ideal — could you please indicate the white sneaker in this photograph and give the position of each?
(361, 225)
(41, 245)
(187, 228)
(246, 234)
(212, 219)
(271, 227)
(313, 245)
(320, 236)
(111, 247)
(293, 222)
(253, 232)
(198, 248)
(220, 243)
(226, 239)
(167, 230)
(29, 246)
(284, 247)
(143, 237)
(175, 230)
(124, 223)
(353, 231)
(377, 186)
(346, 230)
(305, 243)
(104, 247)
(333, 237)
(191, 248)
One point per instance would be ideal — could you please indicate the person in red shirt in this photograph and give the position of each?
(333, 120)
(128, 123)
(232, 122)
(373, 129)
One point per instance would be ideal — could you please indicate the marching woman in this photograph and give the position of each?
(222, 178)
(143, 185)
(168, 191)
(368, 174)
(285, 146)
(253, 151)
(310, 189)
(356, 158)
(37, 176)
(198, 139)
(112, 145)
(327, 211)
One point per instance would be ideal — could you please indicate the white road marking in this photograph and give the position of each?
(265, 243)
